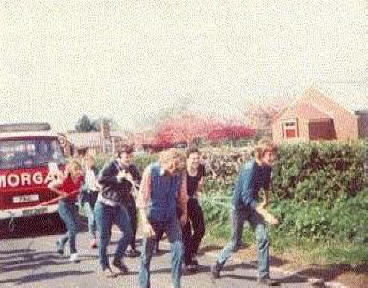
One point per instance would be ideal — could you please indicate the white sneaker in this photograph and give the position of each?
(74, 258)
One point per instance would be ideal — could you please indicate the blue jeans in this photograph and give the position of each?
(88, 202)
(68, 213)
(173, 231)
(106, 216)
(238, 217)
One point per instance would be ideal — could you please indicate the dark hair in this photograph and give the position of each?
(192, 149)
(125, 149)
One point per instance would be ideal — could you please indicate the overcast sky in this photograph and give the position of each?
(62, 59)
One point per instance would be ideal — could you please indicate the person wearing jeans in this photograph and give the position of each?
(106, 215)
(195, 175)
(163, 208)
(68, 186)
(133, 177)
(109, 210)
(89, 195)
(253, 176)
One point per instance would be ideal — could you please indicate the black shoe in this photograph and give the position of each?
(215, 271)
(194, 260)
(268, 282)
(121, 266)
(59, 248)
(133, 253)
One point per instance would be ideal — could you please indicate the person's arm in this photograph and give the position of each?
(201, 181)
(266, 187)
(183, 199)
(261, 208)
(142, 202)
(55, 185)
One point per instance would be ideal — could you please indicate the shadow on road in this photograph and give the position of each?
(36, 226)
(44, 276)
(331, 273)
(28, 259)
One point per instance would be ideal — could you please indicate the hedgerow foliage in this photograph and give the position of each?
(319, 171)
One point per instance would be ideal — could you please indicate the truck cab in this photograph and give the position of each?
(30, 157)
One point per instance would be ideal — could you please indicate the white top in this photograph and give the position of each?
(91, 180)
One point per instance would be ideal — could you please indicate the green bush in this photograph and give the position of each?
(345, 221)
(140, 160)
(320, 171)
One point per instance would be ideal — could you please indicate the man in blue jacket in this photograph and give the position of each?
(109, 210)
(253, 176)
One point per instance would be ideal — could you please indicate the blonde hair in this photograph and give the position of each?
(174, 157)
(73, 164)
(264, 145)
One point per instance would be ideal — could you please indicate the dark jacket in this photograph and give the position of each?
(162, 205)
(112, 189)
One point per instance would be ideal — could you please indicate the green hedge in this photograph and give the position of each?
(319, 171)
(140, 160)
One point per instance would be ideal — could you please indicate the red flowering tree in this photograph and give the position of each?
(185, 128)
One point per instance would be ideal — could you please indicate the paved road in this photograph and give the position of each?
(28, 259)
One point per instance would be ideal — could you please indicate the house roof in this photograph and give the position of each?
(84, 140)
(311, 111)
(353, 97)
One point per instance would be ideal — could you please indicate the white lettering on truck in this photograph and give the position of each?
(2, 181)
(37, 178)
(15, 180)
(25, 179)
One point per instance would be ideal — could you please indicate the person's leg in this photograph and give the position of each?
(158, 238)
(91, 219)
(237, 222)
(260, 227)
(197, 220)
(146, 256)
(173, 231)
(187, 231)
(92, 203)
(122, 220)
(67, 212)
(132, 210)
(62, 241)
(103, 216)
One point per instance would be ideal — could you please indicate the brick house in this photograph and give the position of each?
(94, 142)
(318, 116)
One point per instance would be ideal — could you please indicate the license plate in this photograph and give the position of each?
(29, 212)
(26, 198)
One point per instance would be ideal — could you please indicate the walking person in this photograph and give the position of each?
(89, 195)
(108, 211)
(253, 176)
(162, 198)
(195, 177)
(133, 178)
(68, 186)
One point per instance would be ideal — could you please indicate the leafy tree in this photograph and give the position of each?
(84, 124)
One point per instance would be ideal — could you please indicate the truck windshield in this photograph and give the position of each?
(29, 153)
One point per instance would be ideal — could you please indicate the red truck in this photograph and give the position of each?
(30, 157)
